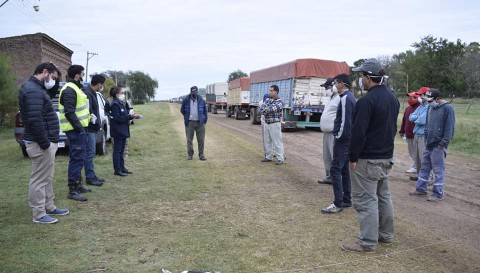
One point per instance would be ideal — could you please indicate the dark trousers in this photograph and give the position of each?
(78, 146)
(194, 127)
(340, 174)
(117, 155)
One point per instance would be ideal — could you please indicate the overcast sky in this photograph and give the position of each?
(196, 42)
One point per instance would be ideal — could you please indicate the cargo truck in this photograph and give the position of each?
(238, 98)
(216, 96)
(299, 83)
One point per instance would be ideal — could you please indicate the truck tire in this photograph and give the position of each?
(214, 109)
(253, 116)
(101, 147)
(228, 113)
(209, 108)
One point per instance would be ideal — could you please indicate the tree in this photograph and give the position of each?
(236, 75)
(142, 86)
(469, 67)
(8, 92)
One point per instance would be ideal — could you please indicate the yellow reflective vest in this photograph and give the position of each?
(81, 109)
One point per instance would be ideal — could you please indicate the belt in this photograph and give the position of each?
(271, 122)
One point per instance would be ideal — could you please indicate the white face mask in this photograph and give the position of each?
(50, 83)
(328, 92)
(101, 89)
(360, 83)
(334, 89)
(419, 100)
(121, 97)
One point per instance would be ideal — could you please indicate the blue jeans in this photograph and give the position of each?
(340, 174)
(117, 155)
(433, 159)
(89, 154)
(78, 144)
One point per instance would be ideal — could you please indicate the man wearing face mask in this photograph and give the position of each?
(419, 118)
(74, 119)
(406, 129)
(326, 125)
(41, 138)
(96, 85)
(371, 158)
(195, 117)
(438, 134)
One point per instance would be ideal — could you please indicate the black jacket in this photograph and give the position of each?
(38, 116)
(69, 102)
(93, 109)
(374, 125)
(119, 120)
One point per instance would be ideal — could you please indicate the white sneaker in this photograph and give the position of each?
(412, 170)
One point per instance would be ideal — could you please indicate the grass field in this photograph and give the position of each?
(224, 215)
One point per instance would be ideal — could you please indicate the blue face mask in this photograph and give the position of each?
(433, 104)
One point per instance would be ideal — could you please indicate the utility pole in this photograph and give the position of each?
(4, 3)
(89, 56)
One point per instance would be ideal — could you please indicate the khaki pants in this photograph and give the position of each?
(40, 189)
(419, 148)
(272, 138)
(328, 140)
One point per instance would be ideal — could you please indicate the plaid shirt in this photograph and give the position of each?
(272, 109)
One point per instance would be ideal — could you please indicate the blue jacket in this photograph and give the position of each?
(119, 120)
(202, 110)
(440, 125)
(419, 117)
(342, 126)
(374, 125)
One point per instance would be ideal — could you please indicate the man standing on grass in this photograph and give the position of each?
(339, 170)
(419, 118)
(41, 140)
(96, 85)
(326, 125)
(272, 108)
(195, 117)
(438, 134)
(371, 154)
(406, 129)
(74, 119)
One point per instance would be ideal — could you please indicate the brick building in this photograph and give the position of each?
(28, 51)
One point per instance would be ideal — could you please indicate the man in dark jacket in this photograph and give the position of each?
(96, 85)
(339, 170)
(371, 153)
(41, 138)
(195, 117)
(74, 118)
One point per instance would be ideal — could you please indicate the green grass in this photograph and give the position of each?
(225, 214)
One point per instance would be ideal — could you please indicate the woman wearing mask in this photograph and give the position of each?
(119, 129)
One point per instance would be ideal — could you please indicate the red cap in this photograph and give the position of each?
(413, 94)
(422, 90)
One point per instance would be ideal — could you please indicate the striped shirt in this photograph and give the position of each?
(272, 109)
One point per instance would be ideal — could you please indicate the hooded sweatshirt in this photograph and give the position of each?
(440, 125)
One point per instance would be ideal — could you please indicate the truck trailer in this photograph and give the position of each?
(299, 83)
(238, 98)
(216, 96)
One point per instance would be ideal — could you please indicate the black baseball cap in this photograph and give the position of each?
(370, 67)
(329, 82)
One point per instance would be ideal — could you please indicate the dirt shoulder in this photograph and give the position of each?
(455, 219)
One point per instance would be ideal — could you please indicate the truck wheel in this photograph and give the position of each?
(228, 113)
(214, 109)
(102, 145)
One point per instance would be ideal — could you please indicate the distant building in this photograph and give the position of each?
(28, 51)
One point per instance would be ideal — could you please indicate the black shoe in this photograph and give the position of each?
(347, 205)
(413, 178)
(76, 196)
(99, 179)
(325, 181)
(266, 160)
(190, 157)
(82, 189)
(120, 174)
(95, 182)
(127, 171)
(202, 158)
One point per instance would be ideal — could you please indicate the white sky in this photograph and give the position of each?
(197, 42)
